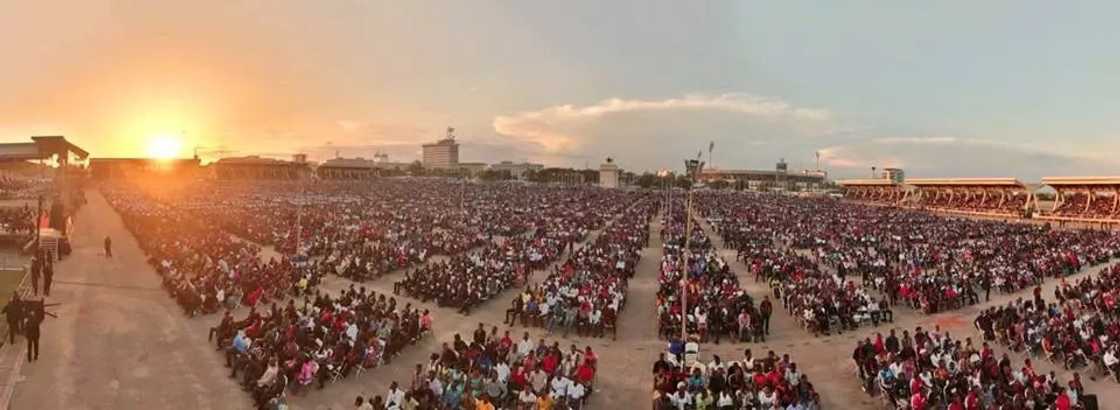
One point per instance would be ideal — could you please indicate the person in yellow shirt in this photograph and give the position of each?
(545, 402)
(483, 403)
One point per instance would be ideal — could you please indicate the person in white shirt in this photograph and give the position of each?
(767, 398)
(436, 386)
(502, 369)
(576, 392)
(725, 401)
(525, 346)
(1112, 363)
(560, 386)
(527, 398)
(395, 399)
(269, 375)
(680, 398)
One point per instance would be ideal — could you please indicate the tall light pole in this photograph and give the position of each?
(692, 168)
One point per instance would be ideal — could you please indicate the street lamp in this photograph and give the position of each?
(692, 169)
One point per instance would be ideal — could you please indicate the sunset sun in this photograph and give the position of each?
(164, 146)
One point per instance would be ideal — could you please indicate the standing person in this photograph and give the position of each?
(48, 277)
(36, 270)
(14, 313)
(31, 329)
(108, 247)
(766, 309)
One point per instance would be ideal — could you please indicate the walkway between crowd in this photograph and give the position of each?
(118, 335)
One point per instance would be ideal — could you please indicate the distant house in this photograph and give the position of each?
(356, 168)
(125, 168)
(516, 170)
(256, 167)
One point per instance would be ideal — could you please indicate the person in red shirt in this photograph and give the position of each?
(1063, 402)
(918, 401)
(549, 363)
(585, 374)
(972, 401)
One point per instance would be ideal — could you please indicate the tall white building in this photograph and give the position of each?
(608, 174)
(442, 154)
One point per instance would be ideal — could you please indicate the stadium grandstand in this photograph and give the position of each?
(882, 191)
(1084, 199)
(997, 197)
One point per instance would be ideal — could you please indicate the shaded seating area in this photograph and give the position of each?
(998, 197)
(1084, 199)
(880, 191)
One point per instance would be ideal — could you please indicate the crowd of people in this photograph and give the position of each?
(587, 291)
(467, 280)
(712, 305)
(821, 298)
(1078, 328)
(929, 262)
(1087, 205)
(204, 268)
(770, 382)
(322, 339)
(17, 220)
(932, 370)
(489, 371)
(15, 186)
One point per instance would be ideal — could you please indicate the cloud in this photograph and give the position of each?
(753, 132)
(565, 127)
(957, 157)
(748, 131)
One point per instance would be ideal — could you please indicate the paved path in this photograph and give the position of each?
(119, 342)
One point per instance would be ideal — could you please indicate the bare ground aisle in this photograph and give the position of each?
(119, 342)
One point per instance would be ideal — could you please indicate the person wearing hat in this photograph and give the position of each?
(680, 398)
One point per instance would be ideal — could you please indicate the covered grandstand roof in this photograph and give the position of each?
(1071, 181)
(930, 182)
(40, 148)
(19, 151)
(866, 182)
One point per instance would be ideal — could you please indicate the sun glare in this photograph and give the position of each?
(164, 146)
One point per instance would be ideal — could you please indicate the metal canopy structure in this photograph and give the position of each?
(1000, 197)
(1084, 199)
(40, 148)
(878, 190)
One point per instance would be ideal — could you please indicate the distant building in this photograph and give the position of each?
(256, 167)
(896, 175)
(347, 168)
(608, 174)
(516, 170)
(442, 154)
(42, 148)
(126, 168)
(779, 178)
(472, 168)
(357, 168)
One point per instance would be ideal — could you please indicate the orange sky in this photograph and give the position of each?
(570, 83)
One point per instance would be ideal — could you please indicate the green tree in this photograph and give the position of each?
(648, 180)
(719, 184)
(683, 182)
